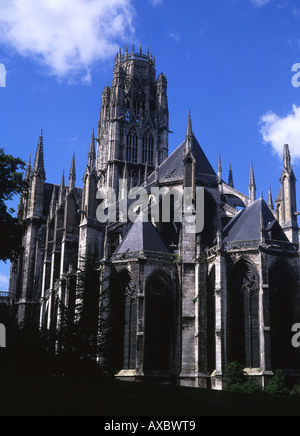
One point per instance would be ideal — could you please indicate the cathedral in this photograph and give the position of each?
(185, 304)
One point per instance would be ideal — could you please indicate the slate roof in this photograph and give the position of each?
(173, 166)
(245, 226)
(142, 237)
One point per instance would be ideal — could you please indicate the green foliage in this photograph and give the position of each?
(295, 393)
(278, 386)
(236, 381)
(233, 375)
(11, 183)
(177, 259)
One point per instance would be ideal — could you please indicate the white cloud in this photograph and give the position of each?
(67, 36)
(4, 282)
(278, 131)
(175, 36)
(260, 3)
(155, 2)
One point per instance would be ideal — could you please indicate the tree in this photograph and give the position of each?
(11, 183)
(76, 340)
(236, 381)
(278, 386)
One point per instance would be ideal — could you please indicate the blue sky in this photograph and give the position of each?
(228, 61)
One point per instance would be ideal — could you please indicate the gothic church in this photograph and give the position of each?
(187, 304)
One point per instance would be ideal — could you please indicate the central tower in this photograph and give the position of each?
(134, 121)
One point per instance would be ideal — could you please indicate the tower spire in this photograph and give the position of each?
(72, 176)
(92, 152)
(252, 185)
(230, 178)
(39, 166)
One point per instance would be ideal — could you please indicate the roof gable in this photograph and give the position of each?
(245, 226)
(141, 237)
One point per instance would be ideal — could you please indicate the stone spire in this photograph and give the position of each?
(28, 170)
(230, 178)
(252, 185)
(220, 168)
(287, 160)
(270, 201)
(92, 152)
(62, 188)
(72, 176)
(39, 166)
(189, 133)
(62, 183)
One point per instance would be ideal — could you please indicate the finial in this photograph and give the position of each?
(220, 168)
(252, 184)
(189, 133)
(287, 160)
(270, 200)
(39, 166)
(72, 176)
(28, 170)
(92, 151)
(230, 178)
(141, 49)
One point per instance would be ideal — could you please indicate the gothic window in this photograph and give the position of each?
(159, 323)
(148, 151)
(242, 316)
(131, 148)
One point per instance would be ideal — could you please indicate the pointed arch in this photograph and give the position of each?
(243, 343)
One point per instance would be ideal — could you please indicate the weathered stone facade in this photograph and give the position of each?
(186, 303)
